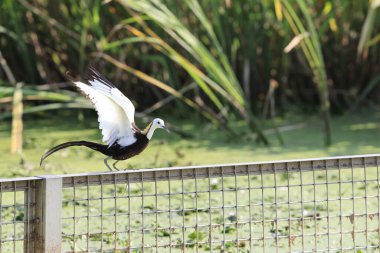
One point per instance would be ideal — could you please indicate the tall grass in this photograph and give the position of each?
(232, 50)
(368, 27)
(213, 72)
(17, 124)
(311, 48)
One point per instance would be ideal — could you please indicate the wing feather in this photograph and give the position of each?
(101, 84)
(115, 111)
(113, 121)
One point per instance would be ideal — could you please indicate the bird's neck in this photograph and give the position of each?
(148, 131)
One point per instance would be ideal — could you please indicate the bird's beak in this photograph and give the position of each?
(167, 130)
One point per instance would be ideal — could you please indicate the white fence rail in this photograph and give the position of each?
(314, 205)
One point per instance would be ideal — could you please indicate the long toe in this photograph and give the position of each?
(130, 168)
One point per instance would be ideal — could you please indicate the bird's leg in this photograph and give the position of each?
(106, 163)
(114, 165)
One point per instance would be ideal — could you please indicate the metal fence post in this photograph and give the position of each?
(29, 201)
(48, 214)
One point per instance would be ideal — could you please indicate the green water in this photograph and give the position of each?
(353, 135)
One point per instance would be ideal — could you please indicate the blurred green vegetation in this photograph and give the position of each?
(352, 135)
(216, 61)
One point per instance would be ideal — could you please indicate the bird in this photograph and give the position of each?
(122, 138)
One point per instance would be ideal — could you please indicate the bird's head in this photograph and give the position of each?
(156, 123)
(159, 123)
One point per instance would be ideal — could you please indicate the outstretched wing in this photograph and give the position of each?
(115, 111)
(101, 84)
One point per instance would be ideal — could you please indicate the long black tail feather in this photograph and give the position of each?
(95, 146)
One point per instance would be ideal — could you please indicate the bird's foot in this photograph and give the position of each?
(129, 168)
(114, 165)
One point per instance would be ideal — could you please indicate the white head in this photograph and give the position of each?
(156, 123)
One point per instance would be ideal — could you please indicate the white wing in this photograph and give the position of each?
(101, 84)
(115, 111)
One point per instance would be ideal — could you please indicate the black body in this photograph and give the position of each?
(115, 151)
(122, 153)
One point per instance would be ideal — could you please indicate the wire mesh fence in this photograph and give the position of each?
(301, 206)
(16, 215)
(320, 205)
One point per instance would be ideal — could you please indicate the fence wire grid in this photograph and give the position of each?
(16, 215)
(316, 205)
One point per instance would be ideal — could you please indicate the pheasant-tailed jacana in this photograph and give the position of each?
(116, 120)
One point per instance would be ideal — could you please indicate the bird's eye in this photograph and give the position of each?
(158, 122)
